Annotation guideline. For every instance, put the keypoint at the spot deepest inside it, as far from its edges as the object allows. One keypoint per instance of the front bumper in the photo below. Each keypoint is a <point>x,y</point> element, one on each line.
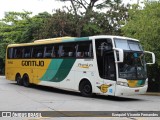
<point>123,90</point>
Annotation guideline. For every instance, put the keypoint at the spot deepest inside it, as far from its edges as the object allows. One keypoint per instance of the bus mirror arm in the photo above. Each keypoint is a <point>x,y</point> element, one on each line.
<point>120,55</point>
<point>153,57</point>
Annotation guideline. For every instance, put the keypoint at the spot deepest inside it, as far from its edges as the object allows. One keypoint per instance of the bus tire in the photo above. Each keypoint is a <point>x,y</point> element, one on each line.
<point>26,80</point>
<point>85,88</point>
<point>18,79</point>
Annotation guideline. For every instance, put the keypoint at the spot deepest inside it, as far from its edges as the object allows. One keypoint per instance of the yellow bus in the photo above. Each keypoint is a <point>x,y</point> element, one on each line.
<point>102,64</point>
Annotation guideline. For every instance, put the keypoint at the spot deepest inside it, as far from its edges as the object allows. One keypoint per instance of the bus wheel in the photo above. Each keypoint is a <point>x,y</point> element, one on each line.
<point>86,88</point>
<point>18,79</point>
<point>26,80</point>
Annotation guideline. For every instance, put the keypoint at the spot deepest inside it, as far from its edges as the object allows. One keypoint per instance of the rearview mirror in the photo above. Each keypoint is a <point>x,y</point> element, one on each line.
<point>153,57</point>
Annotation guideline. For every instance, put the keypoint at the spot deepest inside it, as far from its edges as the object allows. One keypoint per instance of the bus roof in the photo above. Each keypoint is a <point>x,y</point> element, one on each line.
<point>68,39</point>
<point>58,39</point>
<point>113,36</point>
<point>51,40</point>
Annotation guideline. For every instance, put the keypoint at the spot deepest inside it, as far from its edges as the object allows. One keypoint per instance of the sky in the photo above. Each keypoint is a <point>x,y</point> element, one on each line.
<point>34,6</point>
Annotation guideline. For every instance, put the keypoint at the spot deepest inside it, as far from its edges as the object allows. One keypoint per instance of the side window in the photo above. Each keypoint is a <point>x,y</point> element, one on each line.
<point>105,59</point>
<point>55,50</point>
<point>61,51</point>
<point>103,46</point>
<point>51,51</point>
<point>84,50</point>
<point>71,49</point>
<point>10,53</point>
<point>18,52</point>
<point>48,50</point>
<point>38,52</point>
<point>68,50</point>
<point>27,52</point>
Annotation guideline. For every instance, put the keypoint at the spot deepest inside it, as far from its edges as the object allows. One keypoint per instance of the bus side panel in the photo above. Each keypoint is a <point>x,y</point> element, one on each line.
<point>67,72</point>
<point>13,67</point>
<point>9,73</point>
<point>103,86</point>
<point>47,79</point>
<point>34,68</point>
<point>57,73</point>
<point>84,70</point>
<point>68,82</point>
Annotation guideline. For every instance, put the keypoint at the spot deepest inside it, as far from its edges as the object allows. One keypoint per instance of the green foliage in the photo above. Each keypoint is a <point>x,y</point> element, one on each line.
<point>86,15</point>
<point>59,24</point>
<point>144,24</point>
<point>99,24</point>
<point>3,50</point>
<point>20,27</point>
<point>13,26</point>
<point>33,30</point>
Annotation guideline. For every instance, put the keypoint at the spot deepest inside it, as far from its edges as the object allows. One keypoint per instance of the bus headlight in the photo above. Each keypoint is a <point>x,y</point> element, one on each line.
<point>122,83</point>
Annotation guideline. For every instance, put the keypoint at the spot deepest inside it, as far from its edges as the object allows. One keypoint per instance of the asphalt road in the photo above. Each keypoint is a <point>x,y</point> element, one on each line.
<point>41,98</point>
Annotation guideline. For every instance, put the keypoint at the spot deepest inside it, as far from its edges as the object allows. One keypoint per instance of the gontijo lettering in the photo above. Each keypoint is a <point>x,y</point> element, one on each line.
<point>33,63</point>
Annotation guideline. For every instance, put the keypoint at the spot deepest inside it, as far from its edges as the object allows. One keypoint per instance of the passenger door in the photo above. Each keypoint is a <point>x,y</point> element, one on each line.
<point>106,79</point>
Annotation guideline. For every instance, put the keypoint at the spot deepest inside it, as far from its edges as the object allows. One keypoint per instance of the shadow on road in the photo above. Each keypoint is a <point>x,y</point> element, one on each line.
<point>56,90</point>
<point>117,98</point>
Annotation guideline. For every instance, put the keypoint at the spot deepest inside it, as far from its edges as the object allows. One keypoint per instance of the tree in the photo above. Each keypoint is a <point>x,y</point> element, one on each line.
<point>11,29</point>
<point>19,27</point>
<point>34,29</point>
<point>117,15</point>
<point>76,5</point>
<point>88,12</point>
<point>144,24</point>
<point>13,25</point>
<point>59,24</point>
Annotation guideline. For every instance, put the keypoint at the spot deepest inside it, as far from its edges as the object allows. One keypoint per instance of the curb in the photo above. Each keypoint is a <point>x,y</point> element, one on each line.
<point>153,93</point>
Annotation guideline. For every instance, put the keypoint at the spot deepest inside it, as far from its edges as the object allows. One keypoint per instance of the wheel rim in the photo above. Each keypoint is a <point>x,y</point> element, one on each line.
<point>25,81</point>
<point>87,89</point>
<point>18,79</point>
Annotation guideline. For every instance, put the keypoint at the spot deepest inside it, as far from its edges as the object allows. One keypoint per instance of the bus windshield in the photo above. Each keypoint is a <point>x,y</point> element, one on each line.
<point>133,67</point>
<point>128,44</point>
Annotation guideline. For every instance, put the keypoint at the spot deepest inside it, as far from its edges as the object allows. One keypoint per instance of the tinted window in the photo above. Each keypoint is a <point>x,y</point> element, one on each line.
<point>128,44</point>
<point>18,52</point>
<point>10,53</point>
<point>67,50</point>
<point>103,46</point>
<point>38,52</point>
<point>48,50</point>
<point>84,50</point>
<point>105,59</point>
<point>27,52</point>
